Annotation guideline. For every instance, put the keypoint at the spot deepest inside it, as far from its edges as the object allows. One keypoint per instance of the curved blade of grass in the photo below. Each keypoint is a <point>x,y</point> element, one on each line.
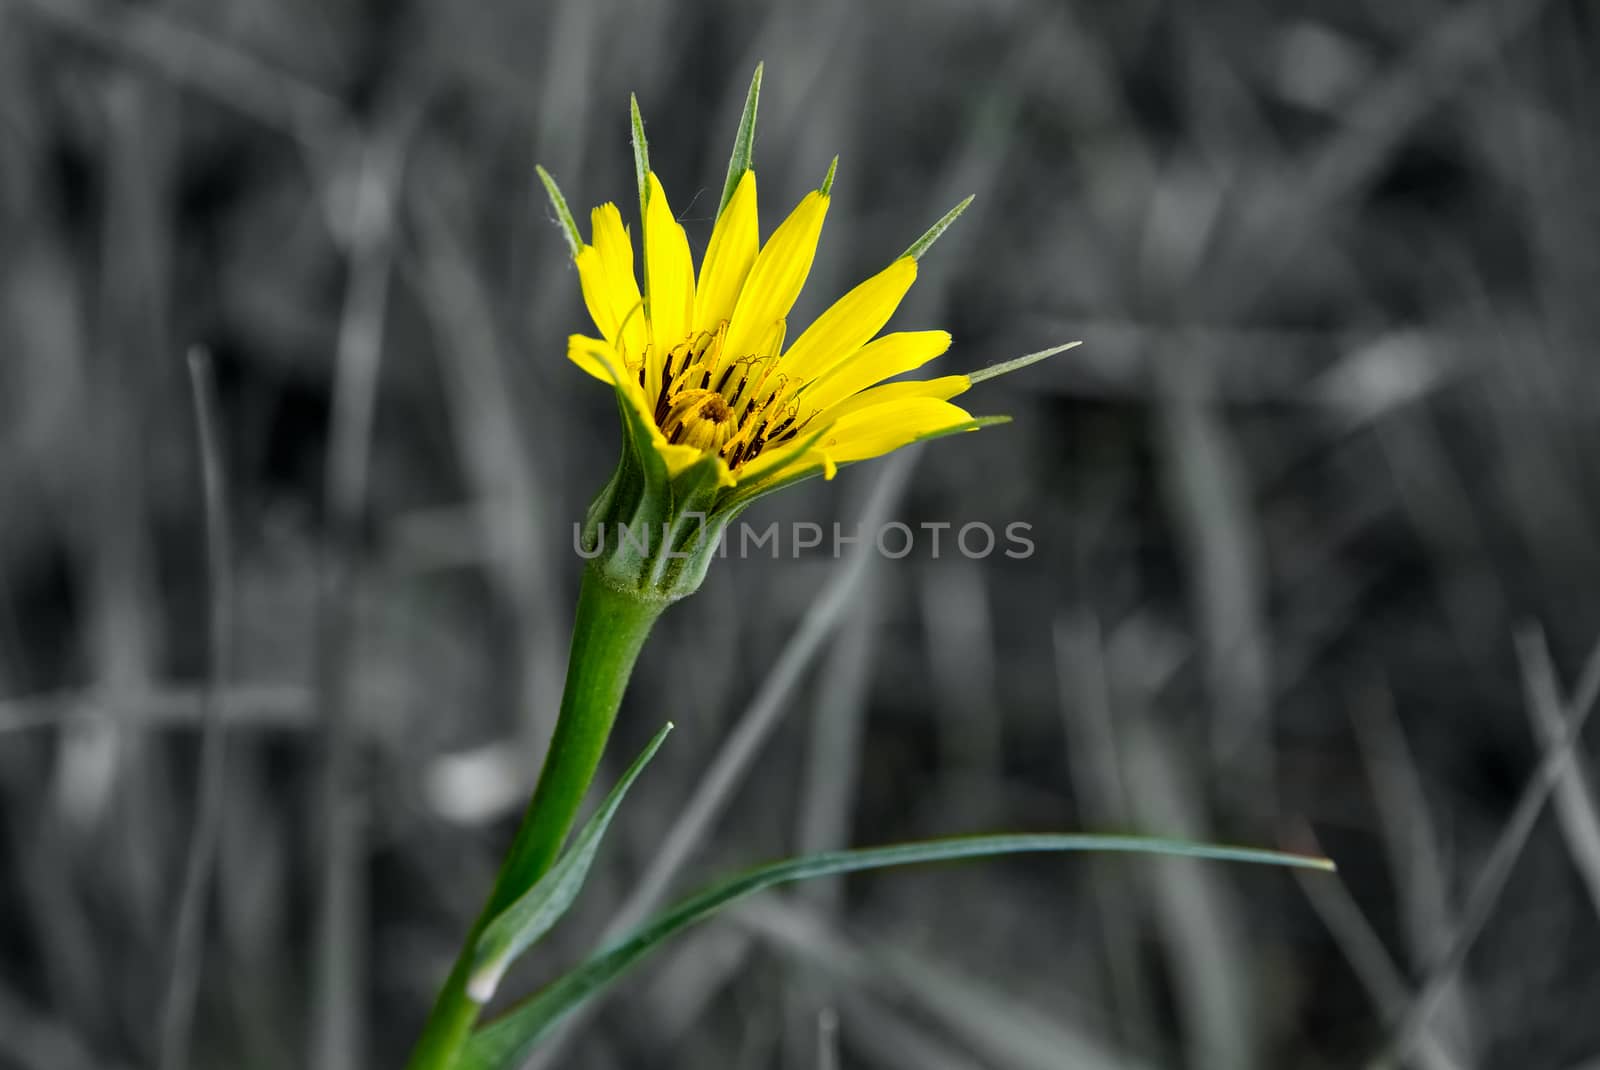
<point>537,910</point>
<point>744,141</point>
<point>504,1044</point>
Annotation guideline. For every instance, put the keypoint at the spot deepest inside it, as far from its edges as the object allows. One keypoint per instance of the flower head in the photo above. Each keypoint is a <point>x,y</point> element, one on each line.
<point>708,361</point>
<point>719,403</point>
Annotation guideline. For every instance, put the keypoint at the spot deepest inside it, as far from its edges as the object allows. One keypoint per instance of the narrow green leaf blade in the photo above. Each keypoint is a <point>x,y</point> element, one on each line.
<point>931,235</point>
<point>569,226</point>
<point>533,914</point>
<point>504,1044</point>
<point>744,140</point>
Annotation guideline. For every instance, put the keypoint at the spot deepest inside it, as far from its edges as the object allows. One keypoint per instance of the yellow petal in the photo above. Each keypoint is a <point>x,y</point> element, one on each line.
<point>595,356</point>
<point>777,275</point>
<point>771,344</point>
<point>900,414</point>
<point>942,389</point>
<point>766,372</point>
<point>610,289</point>
<point>732,250</point>
<point>669,271</point>
<point>873,363</point>
<point>596,292</point>
<point>601,360</point>
<point>851,322</point>
<point>878,429</point>
<point>678,457</point>
<point>790,455</point>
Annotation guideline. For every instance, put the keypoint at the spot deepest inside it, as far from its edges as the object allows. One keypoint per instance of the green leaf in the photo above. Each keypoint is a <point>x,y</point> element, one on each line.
<point>569,226</point>
<point>924,243</point>
<point>506,1043</point>
<point>526,920</point>
<point>744,141</point>
<point>1006,367</point>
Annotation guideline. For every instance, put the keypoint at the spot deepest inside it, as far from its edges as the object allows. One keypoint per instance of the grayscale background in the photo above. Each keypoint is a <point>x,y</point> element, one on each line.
<point>1317,542</point>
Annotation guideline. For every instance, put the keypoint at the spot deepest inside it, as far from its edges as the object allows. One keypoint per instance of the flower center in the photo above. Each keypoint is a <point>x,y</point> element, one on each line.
<point>733,406</point>
<point>699,418</point>
<point>715,409</point>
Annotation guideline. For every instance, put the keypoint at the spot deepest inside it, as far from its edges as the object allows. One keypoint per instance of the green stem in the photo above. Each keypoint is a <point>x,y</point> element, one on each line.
<point>610,627</point>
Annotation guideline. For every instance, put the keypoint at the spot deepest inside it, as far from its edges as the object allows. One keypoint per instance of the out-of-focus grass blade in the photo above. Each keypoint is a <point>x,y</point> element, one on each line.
<point>1575,803</point>
<point>505,1043</point>
<point>1007,1030</point>
<point>533,914</point>
<point>744,141</point>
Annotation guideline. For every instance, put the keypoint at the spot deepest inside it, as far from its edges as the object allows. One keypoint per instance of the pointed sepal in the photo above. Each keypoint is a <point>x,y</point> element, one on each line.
<point>744,140</point>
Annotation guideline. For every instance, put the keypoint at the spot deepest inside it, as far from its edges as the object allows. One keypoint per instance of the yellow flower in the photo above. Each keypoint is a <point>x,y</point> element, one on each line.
<point>716,409</point>
<point>703,357</point>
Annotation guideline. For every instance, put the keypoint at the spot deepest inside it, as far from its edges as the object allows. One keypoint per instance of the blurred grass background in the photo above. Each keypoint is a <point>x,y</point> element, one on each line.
<point>1314,507</point>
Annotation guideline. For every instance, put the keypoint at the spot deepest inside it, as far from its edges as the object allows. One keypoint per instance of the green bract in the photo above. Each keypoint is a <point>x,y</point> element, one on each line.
<point>648,532</point>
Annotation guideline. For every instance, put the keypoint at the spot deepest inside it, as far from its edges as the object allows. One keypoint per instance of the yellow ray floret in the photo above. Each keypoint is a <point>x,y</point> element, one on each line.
<point>702,358</point>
